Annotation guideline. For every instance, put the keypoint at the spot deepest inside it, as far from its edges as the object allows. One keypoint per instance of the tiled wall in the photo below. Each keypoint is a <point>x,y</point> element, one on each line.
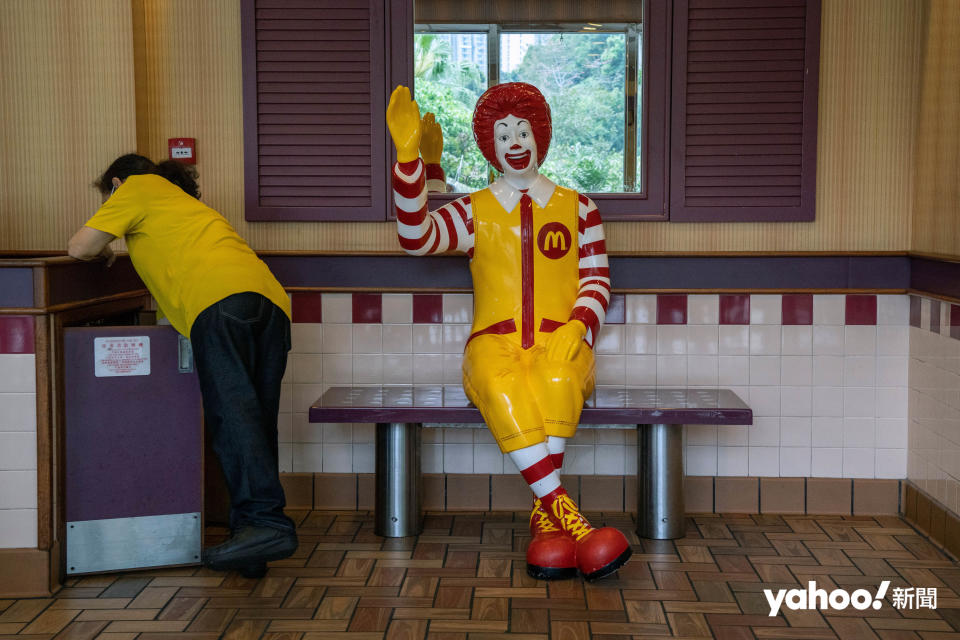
<point>934,460</point>
<point>826,376</point>
<point>18,433</point>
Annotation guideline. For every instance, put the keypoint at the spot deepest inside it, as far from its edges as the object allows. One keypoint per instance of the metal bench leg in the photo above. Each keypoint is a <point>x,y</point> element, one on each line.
<point>398,480</point>
<point>660,512</point>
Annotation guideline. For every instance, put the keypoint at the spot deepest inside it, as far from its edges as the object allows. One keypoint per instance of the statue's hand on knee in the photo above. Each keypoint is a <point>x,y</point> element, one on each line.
<point>565,342</point>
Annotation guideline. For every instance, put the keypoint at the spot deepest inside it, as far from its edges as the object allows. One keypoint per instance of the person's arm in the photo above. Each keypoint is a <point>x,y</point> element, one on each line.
<point>88,243</point>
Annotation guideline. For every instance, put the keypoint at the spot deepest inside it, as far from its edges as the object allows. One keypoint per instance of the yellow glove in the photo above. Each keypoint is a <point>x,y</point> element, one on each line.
<point>431,143</point>
<point>565,342</point>
<point>403,120</point>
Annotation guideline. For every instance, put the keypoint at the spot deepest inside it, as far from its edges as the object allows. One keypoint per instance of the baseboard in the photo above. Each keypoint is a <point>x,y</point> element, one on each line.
<point>931,518</point>
<point>25,573</point>
<point>703,494</point>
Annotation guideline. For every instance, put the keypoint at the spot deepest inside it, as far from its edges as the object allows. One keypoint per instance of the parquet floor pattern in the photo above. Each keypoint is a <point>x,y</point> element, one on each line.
<point>464,578</point>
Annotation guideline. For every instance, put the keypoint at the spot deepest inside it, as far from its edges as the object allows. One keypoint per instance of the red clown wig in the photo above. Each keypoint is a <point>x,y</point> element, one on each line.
<point>518,99</point>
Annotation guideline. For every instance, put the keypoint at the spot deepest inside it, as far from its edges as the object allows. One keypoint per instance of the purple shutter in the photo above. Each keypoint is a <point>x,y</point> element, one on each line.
<point>744,130</point>
<point>315,79</point>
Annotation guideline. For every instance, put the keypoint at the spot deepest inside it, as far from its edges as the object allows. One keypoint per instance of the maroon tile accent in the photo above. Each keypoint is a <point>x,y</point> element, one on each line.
<point>861,309</point>
<point>367,308</point>
<point>306,307</point>
<point>797,308</point>
<point>16,334</point>
<point>915,311</point>
<point>617,310</point>
<point>672,308</point>
<point>734,309</point>
<point>955,321</point>
<point>428,308</point>
<point>935,316</point>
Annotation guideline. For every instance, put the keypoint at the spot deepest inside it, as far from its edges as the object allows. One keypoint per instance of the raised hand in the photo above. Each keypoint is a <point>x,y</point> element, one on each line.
<point>431,142</point>
<point>403,120</point>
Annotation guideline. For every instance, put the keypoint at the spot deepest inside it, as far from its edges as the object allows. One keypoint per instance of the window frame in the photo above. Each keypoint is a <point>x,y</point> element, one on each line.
<point>650,203</point>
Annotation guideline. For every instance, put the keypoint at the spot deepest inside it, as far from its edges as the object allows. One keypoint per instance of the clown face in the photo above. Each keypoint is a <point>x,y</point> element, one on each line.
<point>515,145</point>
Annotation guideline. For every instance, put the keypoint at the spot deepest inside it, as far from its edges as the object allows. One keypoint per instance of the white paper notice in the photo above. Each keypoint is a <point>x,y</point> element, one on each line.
<point>127,356</point>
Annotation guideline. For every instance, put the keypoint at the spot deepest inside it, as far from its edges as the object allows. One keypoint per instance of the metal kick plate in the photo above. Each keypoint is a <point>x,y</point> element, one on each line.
<point>133,543</point>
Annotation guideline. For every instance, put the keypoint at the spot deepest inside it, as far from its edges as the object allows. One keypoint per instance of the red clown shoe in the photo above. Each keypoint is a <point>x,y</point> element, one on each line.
<point>551,554</point>
<point>600,552</point>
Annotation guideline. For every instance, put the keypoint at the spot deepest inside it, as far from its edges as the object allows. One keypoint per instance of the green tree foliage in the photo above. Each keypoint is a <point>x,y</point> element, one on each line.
<point>582,77</point>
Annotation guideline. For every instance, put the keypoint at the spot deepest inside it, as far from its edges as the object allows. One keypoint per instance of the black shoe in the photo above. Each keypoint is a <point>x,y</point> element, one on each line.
<point>254,570</point>
<point>250,546</point>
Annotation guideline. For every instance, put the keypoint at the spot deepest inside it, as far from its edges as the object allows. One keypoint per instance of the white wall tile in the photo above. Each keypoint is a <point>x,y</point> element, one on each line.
<point>458,308</point>
<point>733,370</point>
<point>828,371</point>
<point>859,432</point>
<point>335,433</point>
<point>18,412</point>
<point>795,401</point>
<point>431,458</point>
<point>453,368</point>
<point>701,434</point>
<point>827,432</point>
<point>892,402</point>
<point>307,457</point>
<point>765,401</point>
<point>640,339</point>
<point>891,434</point>
<point>734,340</point>
<point>365,433</point>
<point>367,338</point>
<point>829,309</point>
<point>892,371</point>
<point>734,435</point>
<point>893,310</point>
<point>828,340</point>
<point>764,370</point>
<point>859,371</point>
<point>364,456</point>
<point>338,458</point>
<point>286,398</point>
<point>703,340</point>
<point>18,528</point>
<point>306,337</point>
<point>336,308</point>
<point>427,368</point>
<point>765,461</point>
<point>304,395</point>
<point>671,371</point>
<point>796,370</point>
<point>609,460</point>
<point>671,339</point>
<point>457,435</point>
<point>487,459</point>
<point>368,368</point>
<point>641,371</point>
<point>703,309</point>
<point>700,460</point>
<point>285,427</point>
<point>765,340</point>
<point>795,462</point>
<point>858,463</point>
<point>860,340</point>
<point>892,463</point>
<point>641,309</point>
<point>18,373</point>
<point>825,462</point>
<point>398,369</point>
<point>579,460</point>
<point>18,451</point>
<point>765,309</point>
<point>797,340</point>
<point>613,436</point>
<point>18,490</point>
<point>285,457</point>
<point>337,338</point>
<point>455,337</point>
<point>306,367</point>
<point>732,461</point>
<point>397,308</point>
<point>397,338</point>
<point>611,339</point>
<point>765,432</point>
<point>702,371</point>
<point>427,338</point>
<point>860,402</point>
<point>458,458</point>
<point>611,369</point>
<point>796,432</point>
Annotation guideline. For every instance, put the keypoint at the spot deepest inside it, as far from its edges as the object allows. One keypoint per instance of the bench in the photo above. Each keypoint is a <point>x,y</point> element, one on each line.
<point>659,413</point>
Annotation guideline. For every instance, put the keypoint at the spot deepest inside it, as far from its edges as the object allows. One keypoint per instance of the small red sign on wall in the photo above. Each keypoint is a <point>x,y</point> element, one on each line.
<point>183,149</point>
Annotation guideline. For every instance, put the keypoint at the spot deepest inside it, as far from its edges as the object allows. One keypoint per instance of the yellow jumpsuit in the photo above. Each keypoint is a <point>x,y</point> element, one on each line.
<point>526,280</point>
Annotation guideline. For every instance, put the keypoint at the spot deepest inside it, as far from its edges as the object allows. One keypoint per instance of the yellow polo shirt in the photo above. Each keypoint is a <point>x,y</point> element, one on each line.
<point>186,253</point>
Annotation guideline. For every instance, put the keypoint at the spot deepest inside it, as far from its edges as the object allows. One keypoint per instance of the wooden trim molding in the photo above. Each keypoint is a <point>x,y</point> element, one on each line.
<point>24,573</point>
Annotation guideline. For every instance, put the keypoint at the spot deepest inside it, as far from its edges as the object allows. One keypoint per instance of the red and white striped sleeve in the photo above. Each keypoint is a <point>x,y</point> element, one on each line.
<point>421,232</point>
<point>594,295</point>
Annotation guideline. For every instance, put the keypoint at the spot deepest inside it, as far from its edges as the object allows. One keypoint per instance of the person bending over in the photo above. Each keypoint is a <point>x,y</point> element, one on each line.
<point>216,291</point>
<point>541,289</point>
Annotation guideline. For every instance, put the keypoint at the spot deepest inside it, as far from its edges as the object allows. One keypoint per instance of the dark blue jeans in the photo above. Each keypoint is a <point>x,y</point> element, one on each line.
<point>240,346</point>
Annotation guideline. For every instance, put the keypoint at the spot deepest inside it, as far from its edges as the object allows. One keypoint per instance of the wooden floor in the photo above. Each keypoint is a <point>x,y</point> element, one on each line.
<point>464,577</point>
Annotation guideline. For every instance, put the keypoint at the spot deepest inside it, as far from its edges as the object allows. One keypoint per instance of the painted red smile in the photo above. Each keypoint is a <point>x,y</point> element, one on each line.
<point>518,160</point>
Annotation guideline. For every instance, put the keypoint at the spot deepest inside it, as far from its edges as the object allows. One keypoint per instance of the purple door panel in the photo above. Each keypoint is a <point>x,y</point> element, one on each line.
<point>133,443</point>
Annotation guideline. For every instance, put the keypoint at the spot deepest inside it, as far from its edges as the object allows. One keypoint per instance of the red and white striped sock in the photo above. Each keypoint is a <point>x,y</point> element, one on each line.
<point>537,468</point>
<point>556,445</point>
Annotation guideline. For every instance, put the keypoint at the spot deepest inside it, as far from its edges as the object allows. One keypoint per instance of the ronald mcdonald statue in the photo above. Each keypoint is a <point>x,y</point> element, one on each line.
<point>541,289</point>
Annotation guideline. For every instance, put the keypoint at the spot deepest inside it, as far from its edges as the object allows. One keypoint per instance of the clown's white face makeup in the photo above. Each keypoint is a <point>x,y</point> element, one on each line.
<point>516,148</point>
